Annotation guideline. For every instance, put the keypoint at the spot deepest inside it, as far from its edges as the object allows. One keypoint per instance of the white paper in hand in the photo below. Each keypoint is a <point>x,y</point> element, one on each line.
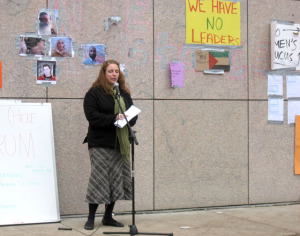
<point>130,113</point>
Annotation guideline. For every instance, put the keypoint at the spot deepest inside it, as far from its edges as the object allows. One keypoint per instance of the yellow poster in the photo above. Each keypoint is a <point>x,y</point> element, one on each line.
<point>215,22</point>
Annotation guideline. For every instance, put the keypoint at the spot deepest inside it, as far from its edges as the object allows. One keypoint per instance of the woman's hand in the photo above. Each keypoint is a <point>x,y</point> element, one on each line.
<point>120,117</point>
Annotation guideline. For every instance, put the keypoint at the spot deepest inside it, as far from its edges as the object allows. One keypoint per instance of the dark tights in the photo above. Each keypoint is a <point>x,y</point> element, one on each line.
<point>92,212</point>
<point>108,211</point>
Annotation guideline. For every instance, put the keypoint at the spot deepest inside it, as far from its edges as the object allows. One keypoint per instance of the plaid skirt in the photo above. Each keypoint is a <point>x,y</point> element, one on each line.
<point>110,178</point>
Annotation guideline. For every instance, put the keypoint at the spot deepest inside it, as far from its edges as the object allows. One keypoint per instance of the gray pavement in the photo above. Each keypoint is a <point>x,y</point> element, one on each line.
<point>277,220</point>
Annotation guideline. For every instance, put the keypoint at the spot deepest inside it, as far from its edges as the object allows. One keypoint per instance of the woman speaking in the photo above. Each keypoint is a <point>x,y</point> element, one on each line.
<point>109,146</point>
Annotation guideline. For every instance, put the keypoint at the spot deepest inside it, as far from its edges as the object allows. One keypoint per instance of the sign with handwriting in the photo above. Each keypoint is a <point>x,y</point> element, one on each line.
<point>28,184</point>
<point>285,45</point>
<point>176,74</point>
<point>214,22</point>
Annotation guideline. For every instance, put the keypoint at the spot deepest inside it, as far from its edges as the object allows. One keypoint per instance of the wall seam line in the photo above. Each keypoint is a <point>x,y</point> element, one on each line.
<point>153,106</point>
<point>248,103</point>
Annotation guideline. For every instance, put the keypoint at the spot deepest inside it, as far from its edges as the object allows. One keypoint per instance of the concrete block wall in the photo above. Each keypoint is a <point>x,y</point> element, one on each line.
<point>207,144</point>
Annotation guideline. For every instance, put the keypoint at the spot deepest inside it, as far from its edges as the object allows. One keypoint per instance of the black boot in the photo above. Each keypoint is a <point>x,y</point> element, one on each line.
<point>89,225</point>
<point>108,219</point>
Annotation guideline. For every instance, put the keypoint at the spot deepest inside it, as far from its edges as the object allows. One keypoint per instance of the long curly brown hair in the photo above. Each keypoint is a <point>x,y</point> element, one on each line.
<point>102,82</point>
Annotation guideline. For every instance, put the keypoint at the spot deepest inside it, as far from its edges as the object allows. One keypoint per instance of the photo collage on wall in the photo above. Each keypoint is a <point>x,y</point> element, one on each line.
<point>47,46</point>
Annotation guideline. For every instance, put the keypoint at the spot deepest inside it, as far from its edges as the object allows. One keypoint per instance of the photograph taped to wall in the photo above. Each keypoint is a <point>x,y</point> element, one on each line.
<point>61,47</point>
<point>93,54</point>
<point>48,22</point>
<point>31,46</point>
<point>46,71</point>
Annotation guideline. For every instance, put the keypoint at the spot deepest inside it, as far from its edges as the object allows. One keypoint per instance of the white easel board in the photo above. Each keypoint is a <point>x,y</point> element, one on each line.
<point>28,183</point>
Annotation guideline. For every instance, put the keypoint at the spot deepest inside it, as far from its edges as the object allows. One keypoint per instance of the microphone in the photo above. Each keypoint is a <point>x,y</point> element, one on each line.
<point>116,86</point>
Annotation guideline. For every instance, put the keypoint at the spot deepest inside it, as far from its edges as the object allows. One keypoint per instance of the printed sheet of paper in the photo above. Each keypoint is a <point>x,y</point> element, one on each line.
<point>130,113</point>
<point>177,74</point>
<point>275,85</point>
<point>293,110</point>
<point>275,109</point>
<point>293,86</point>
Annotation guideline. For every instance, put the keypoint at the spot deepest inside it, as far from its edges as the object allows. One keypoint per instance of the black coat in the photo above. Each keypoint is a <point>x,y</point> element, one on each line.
<point>99,111</point>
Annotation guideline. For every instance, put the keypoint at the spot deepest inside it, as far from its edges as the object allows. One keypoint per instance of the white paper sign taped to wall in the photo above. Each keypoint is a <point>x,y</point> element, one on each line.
<point>285,45</point>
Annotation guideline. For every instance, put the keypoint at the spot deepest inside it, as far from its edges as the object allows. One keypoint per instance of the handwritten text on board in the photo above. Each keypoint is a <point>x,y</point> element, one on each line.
<point>13,142</point>
<point>213,22</point>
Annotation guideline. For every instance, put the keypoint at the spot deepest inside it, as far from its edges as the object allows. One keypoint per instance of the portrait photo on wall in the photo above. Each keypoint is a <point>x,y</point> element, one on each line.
<point>61,47</point>
<point>48,22</point>
<point>93,54</point>
<point>46,71</point>
<point>31,46</point>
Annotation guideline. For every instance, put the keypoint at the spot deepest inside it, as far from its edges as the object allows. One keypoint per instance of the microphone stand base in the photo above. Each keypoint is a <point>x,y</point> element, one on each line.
<point>133,231</point>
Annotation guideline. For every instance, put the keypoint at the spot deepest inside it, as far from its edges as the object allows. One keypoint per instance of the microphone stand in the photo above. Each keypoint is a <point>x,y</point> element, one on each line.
<point>132,138</point>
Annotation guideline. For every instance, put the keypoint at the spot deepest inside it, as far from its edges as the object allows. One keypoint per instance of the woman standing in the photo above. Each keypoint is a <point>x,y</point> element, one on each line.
<point>109,147</point>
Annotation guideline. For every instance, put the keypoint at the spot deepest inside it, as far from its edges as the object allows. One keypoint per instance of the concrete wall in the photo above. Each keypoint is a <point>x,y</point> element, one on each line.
<point>207,144</point>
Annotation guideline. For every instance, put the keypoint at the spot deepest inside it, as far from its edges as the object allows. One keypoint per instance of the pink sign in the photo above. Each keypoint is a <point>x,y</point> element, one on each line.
<point>177,74</point>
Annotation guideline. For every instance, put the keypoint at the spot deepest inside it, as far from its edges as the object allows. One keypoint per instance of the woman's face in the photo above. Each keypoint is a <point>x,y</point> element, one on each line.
<point>112,73</point>
<point>60,45</point>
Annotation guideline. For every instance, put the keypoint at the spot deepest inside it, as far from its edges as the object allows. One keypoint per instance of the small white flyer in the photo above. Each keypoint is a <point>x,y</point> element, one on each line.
<point>275,85</point>
<point>293,86</point>
<point>275,109</point>
<point>293,110</point>
<point>130,113</point>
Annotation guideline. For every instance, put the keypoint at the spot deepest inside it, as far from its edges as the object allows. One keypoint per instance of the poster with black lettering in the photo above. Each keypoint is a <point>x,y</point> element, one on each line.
<point>285,45</point>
